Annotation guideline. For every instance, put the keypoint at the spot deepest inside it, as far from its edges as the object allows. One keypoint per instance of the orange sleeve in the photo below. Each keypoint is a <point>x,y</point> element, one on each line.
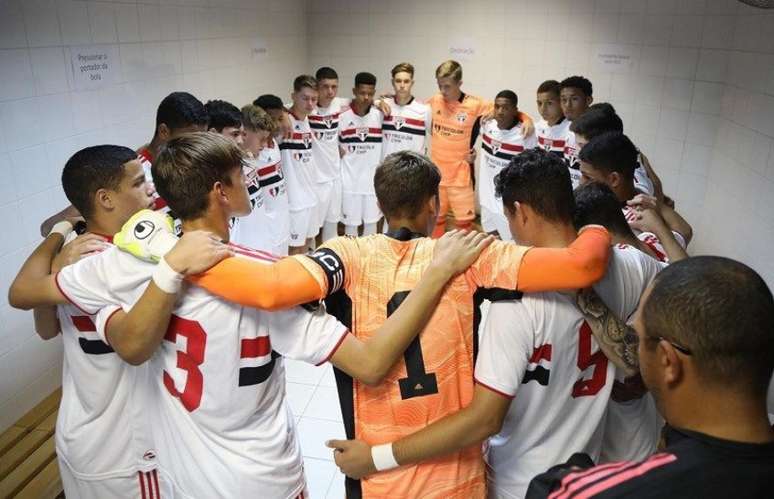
<point>579,265</point>
<point>279,285</point>
<point>486,108</point>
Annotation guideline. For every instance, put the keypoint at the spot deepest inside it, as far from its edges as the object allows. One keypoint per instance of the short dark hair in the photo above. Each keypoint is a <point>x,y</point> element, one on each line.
<point>223,114</point>
<point>403,182</point>
<point>596,203</point>
<point>604,106</point>
<point>92,169</point>
<point>723,311</point>
<point>549,86</point>
<point>269,102</point>
<point>326,73</point>
<point>611,152</point>
<point>508,94</point>
<point>579,82</point>
<point>180,110</point>
<point>365,78</point>
<point>304,81</point>
<point>596,121</point>
<point>187,167</point>
<point>540,180</point>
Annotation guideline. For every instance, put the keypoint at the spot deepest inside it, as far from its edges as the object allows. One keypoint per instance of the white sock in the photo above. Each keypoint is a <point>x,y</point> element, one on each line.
<point>329,231</point>
<point>350,230</point>
<point>369,229</point>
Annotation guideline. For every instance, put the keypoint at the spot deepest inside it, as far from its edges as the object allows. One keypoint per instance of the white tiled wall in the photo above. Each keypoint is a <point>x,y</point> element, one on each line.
<point>200,46</point>
<point>699,100</point>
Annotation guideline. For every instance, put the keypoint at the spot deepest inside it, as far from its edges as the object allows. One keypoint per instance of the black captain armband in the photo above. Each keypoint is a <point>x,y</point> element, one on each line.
<point>333,267</point>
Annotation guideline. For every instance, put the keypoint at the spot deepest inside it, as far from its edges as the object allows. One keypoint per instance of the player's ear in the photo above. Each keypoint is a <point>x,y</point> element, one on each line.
<point>589,100</point>
<point>614,178</point>
<point>671,364</point>
<point>163,132</point>
<point>103,198</point>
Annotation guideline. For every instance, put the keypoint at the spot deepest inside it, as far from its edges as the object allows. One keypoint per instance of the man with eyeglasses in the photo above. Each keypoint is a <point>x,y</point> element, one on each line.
<point>706,352</point>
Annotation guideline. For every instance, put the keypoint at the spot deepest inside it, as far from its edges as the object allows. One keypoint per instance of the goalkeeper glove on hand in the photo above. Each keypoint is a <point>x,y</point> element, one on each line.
<point>148,235</point>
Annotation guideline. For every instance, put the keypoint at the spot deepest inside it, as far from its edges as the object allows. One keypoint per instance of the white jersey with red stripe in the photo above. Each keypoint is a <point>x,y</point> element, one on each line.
<point>324,122</point>
<point>541,351</point>
<point>407,127</point>
<point>253,230</point>
<point>498,147</point>
<point>219,415</point>
<point>654,243</point>
<point>299,164</point>
<point>571,151</point>
<point>552,138</point>
<point>100,398</point>
<point>275,197</point>
<point>361,138</point>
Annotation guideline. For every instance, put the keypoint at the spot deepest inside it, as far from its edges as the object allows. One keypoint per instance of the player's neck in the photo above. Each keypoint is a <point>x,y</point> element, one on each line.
<point>509,125</point>
<point>627,192</point>
<point>414,225</point>
<point>360,109</point>
<point>554,235</point>
<point>737,418</point>
<point>154,146</point>
<point>402,100</point>
<point>298,113</point>
<point>454,97</point>
<point>323,104</point>
<point>556,121</point>
<point>102,225</point>
<point>210,222</point>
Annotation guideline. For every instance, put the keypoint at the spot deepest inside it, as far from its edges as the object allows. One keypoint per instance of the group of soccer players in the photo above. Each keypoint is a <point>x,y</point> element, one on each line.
<point>466,364</point>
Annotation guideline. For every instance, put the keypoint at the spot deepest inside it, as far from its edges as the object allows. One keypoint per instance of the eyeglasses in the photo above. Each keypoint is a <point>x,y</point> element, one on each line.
<point>678,347</point>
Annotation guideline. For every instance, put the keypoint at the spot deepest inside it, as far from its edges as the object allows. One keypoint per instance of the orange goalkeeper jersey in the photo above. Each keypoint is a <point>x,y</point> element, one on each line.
<point>453,125</point>
<point>435,378</point>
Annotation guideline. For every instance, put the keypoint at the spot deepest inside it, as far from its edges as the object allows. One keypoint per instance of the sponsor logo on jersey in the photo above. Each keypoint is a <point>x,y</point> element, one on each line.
<point>318,135</point>
<point>149,455</point>
<point>297,156</point>
<point>351,149</point>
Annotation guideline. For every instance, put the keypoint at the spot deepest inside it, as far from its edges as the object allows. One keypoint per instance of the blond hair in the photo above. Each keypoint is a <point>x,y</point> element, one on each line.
<point>254,118</point>
<point>403,67</point>
<point>449,69</point>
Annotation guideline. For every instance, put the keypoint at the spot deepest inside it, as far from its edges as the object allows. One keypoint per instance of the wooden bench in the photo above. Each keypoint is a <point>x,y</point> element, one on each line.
<point>28,464</point>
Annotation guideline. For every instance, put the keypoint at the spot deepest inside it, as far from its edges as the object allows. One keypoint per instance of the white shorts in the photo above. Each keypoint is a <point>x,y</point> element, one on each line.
<point>329,202</point>
<point>141,484</point>
<point>360,208</point>
<point>302,227</point>
<point>495,222</point>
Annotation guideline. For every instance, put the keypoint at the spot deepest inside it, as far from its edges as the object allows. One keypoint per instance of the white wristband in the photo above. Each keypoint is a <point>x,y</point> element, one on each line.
<point>383,457</point>
<point>166,278</point>
<point>64,228</point>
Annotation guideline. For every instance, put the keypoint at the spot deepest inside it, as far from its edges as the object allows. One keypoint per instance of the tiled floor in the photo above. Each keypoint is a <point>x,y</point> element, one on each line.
<point>315,403</point>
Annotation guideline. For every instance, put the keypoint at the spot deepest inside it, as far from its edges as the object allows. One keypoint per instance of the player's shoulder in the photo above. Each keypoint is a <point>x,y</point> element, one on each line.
<point>256,255</point>
<point>631,262</point>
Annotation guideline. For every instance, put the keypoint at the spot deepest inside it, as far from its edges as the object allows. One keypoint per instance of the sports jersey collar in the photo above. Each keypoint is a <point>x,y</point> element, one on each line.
<point>395,100</point>
<point>675,436</point>
<point>109,238</point>
<point>404,234</point>
<point>145,154</point>
<point>462,97</point>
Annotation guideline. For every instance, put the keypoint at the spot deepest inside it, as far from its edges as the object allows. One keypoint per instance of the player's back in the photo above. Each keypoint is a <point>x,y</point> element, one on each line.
<point>98,395</point>
<point>562,383</point>
<point>434,379</point>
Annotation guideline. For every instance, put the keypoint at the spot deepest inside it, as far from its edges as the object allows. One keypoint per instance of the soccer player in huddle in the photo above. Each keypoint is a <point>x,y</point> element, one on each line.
<point>541,383</point>
<point>215,401</point>
<point>408,126</point>
<point>576,97</point>
<point>226,119</point>
<point>360,139</point>
<point>366,279</point>
<point>553,127</point>
<point>502,139</point>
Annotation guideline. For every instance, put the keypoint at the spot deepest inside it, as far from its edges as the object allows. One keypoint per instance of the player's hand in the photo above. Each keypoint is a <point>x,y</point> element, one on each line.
<point>471,156</point>
<point>643,202</point>
<point>456,250</point>
<point>648,220</point>
<point>527,125</point>
<point>353,457</point>
<point>148,235</point>
<point>382,106</point>
<point>286,126</point>
<point>77,249</point>
<point>196,252</point>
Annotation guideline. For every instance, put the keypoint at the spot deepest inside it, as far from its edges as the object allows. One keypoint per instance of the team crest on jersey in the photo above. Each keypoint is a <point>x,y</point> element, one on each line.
<point>362,133</point>
<point>496,146</point>
<point>307,138</point>
<point>399,122</point>
<point>547,144</point>
<point>328,121</point>
<point>462,117</point>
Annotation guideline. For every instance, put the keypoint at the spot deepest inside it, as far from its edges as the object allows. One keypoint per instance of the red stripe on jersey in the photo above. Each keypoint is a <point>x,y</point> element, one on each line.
<point>541,352</point>
<point>259,254</point>
<point>611,481</point>
<point>558,143</point>
<point>267,170</point>
<point>59,287</point>
<point>335,348</point>
<point>353,131</point>
<point>503,145</point>
<point>408,121</point>
<point>83,323</point>
<point>255,347</point>
<point>494,390</point>
<point>142,485</point>
<point>317,117</point>
<point>159,204</point>
<point>156,484</point>
<point>653,243</point>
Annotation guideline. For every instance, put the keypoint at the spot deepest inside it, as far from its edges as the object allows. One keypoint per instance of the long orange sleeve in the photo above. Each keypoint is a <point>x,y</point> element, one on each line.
<point>579,265</point>
<point>276,286</point>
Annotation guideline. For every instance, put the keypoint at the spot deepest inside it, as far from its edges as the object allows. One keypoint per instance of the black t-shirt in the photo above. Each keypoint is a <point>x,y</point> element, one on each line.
<point>692,465</point>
